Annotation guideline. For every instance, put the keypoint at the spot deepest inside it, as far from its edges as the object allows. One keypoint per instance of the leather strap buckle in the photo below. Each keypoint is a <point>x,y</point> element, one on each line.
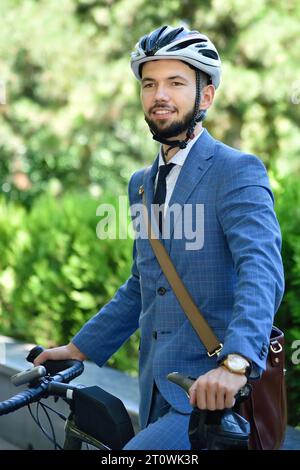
<point>216,351</point>
<point>275,347</point>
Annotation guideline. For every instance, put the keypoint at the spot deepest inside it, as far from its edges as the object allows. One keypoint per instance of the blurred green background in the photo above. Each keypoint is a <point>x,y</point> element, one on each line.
<point>72,132</point>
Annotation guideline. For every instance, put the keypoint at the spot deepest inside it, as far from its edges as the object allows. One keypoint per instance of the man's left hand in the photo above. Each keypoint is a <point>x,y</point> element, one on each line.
<point>216,389</point>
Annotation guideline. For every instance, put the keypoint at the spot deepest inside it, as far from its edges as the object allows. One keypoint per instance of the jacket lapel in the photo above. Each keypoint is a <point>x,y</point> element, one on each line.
<point>195,166</point>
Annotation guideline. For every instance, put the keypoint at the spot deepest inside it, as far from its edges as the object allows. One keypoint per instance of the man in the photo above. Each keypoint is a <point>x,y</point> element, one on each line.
<point>235,276</point>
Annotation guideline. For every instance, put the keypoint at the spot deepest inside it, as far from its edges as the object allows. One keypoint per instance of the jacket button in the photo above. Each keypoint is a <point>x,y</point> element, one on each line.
<point>161,291</point>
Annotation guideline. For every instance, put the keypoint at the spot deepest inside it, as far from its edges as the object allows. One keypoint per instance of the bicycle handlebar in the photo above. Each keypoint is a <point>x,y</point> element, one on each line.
<point>70,373</point>
<point>53,366</point>
<point>64,371</point>
<point>186,383</point>
<point>23,399</point>
<point>59,370</point>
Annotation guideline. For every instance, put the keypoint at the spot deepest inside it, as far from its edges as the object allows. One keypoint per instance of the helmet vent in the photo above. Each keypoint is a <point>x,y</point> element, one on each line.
<point>184,44</point>
<point>159,39</point>
<point>209,53</point>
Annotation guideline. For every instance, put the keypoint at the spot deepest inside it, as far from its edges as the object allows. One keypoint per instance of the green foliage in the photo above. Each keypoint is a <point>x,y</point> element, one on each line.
<point>13,240</point>
<point>56,273</point>
<point>73,116</point>
<point>288,317</point>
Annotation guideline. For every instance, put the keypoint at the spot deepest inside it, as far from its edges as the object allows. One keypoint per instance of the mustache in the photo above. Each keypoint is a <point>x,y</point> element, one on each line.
<point>161,106</point>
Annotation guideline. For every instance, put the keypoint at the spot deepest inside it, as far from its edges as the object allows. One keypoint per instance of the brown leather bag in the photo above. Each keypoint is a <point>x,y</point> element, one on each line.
<point>266,409</point>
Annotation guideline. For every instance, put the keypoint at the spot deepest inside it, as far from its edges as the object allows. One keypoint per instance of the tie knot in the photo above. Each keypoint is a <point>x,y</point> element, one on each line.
<point>164,170</point>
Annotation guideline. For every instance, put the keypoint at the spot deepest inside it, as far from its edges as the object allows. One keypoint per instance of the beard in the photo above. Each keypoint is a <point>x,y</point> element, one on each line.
<point>174,129</point>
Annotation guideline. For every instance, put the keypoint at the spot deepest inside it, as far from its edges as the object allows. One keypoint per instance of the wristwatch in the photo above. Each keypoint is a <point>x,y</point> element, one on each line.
<point>237,364</point>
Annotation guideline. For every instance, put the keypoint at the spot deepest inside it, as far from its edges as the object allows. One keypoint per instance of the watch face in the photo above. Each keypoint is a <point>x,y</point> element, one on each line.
<point>237,362</point>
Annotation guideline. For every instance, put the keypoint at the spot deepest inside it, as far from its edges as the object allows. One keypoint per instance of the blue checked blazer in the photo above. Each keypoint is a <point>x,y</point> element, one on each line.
<point>236,277</point>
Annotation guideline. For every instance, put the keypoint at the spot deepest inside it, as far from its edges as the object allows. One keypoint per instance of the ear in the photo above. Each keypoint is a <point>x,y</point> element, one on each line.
<point>207,96</point>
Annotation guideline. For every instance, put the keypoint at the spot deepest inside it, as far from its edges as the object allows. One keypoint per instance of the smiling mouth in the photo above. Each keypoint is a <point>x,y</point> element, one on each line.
<point>162,113</point>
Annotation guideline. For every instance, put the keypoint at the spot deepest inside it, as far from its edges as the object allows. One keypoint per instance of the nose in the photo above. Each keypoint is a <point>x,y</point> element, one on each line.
<point>161,93</point>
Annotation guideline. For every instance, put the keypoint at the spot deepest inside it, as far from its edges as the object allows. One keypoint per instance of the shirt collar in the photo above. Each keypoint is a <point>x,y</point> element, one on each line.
<point>180,156</point>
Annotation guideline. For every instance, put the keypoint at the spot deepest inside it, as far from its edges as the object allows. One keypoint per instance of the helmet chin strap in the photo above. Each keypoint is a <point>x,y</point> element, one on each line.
<point>199,115</point>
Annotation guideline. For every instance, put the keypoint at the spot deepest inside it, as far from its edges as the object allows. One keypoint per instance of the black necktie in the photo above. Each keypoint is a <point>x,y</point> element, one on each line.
<point>161,191</point>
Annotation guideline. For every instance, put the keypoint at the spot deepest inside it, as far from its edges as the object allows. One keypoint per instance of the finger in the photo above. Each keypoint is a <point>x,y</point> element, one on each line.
<point>201,398</point>
<point>229,400</point>
<point>211,399</point>
<point>220,399</point>
<point>50,355</point>
<point>41,358</point>
<point>193,397</point>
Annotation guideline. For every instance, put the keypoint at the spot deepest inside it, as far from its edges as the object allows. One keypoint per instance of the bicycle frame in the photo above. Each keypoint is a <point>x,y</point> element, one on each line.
<point>75,437</point>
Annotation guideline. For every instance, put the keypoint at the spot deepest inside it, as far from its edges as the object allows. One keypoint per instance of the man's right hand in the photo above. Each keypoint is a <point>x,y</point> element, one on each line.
<point>69,351</point>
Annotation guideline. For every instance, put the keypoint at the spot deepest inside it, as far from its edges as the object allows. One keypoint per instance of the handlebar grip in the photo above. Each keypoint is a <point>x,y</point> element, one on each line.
<point>56,366</point>
<point>186,382</point>
<point>34,353</point>
<point>69,374</point>
<point>181,380</point>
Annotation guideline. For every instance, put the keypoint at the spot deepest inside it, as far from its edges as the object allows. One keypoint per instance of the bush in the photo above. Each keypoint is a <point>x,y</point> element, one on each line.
<point>56,273</point>
<point>288,317</point>
<point>13,239</point>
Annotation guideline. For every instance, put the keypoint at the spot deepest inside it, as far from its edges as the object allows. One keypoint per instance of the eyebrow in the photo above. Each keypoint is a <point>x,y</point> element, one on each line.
<point>174,77</point>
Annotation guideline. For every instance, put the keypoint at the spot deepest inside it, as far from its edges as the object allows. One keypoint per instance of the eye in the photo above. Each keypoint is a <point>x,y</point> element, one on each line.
<point>148,85</point>
<point>177,83</point>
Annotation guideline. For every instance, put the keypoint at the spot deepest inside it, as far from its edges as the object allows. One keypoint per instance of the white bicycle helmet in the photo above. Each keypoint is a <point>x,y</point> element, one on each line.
<point>191,47</point>
<point>181,44</point>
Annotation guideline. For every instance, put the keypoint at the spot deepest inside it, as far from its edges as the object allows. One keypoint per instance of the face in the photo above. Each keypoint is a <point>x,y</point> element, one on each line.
<point>168,93</point>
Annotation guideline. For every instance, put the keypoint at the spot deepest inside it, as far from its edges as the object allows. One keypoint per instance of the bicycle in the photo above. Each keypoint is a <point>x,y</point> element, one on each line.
<point>100,419</point>
<point>96,417</point>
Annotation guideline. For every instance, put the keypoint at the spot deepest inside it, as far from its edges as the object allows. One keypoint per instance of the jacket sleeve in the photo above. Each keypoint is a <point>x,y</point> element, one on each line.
<point>101,336</point>
<point>246,213</point>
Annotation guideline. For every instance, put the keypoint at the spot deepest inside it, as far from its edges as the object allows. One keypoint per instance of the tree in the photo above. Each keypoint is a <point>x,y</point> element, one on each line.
<point>73,116</point>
